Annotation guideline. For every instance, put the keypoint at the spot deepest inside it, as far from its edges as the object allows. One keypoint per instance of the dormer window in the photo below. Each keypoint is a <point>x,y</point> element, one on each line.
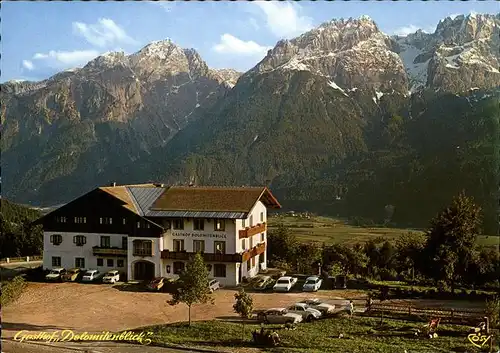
<point>60,219</point>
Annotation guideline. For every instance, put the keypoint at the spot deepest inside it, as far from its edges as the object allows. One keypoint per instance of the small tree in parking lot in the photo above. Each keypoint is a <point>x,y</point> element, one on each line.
<point>193,285</point>
<point>243,306</point>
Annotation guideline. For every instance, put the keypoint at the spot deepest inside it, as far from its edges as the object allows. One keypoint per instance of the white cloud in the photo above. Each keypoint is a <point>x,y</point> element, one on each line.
<point>253,22</point>
<point>284,18</point>
<point>405,30</point>
<point>28,64</point>
<point>104,33</point>
<point>231,45</point>
<point>66,59</point>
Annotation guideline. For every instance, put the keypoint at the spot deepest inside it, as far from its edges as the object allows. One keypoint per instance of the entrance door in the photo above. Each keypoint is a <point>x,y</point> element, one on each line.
<point>144,270</point>
<point>240,272</point>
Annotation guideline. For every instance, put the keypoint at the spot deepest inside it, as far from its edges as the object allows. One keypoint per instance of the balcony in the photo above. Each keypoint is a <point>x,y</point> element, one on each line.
<point>207,257</point>
<point>249,231</point>
<point>255,251</point>
<point>105,251</point>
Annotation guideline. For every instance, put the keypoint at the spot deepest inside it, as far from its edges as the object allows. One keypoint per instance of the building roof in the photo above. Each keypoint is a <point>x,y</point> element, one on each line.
<point>150,200</point>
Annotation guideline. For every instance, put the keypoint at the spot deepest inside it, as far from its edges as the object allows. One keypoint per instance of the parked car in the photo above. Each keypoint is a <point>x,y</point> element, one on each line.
<point>213,284</point>
<point>308,313</point>
<point>312,284</point>
<point>263,283</point>
<point>156,284</point>
<point>315,303</point>
<point>111,277</point>
<point>92,276</point>
<point>55,274</point>
<point>71,275</point>
<point>284,284</point>
<point>279,316</point>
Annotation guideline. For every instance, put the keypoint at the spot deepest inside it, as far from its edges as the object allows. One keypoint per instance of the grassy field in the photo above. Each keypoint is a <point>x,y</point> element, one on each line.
<point>360,335</point>
<point>332,231</point>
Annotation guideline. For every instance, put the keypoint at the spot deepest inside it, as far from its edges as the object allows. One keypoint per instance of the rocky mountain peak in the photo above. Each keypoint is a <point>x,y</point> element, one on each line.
<point>353,53</point>
<point>106,61</point>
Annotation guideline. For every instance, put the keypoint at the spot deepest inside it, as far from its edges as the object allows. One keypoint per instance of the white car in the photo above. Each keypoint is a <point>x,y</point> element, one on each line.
<point>308,313</point>
<point>315,303</point>
<point>55,274</point>
<point>312,284</point>
<point>91,276</point>
<point>279,316</point>
<point>111,277</point>
<point>284,284</point>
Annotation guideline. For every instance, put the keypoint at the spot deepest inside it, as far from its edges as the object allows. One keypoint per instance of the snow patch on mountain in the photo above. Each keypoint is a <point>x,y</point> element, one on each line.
<point>335,86</point>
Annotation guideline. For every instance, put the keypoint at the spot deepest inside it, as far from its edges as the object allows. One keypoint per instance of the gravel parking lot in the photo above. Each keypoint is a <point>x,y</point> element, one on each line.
<point>98,307</point>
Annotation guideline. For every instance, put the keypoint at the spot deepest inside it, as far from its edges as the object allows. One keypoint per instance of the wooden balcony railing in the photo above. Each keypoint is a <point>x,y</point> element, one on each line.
<point>249,231</point>
<point>104,251</point>
<point>207,257</point>
<point>255,251</point>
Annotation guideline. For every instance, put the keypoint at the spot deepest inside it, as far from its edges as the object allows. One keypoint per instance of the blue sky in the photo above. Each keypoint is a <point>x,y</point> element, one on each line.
<point>42,38</point>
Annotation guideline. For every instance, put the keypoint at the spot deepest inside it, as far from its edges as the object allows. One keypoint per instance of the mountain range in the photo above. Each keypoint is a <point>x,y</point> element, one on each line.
<point>343,119</point>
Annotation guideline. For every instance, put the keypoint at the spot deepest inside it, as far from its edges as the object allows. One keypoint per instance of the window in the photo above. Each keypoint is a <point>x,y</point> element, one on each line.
<point>138,224</point>
<point>219,270</point>
<point>262,216</point>
<point>79,240</point>
<point>251,221</point>
<point>80,262</point>
<point>105,241</point>
<point>100,262</point>
<point>244,223</point>
<point>120,263</point>
<point>56,261</point>
<point>179,223</point>
<point>106,220</point>
<point>253,261</point>
<point>220,247</point>
<point>178,244</point>
<point>109,262</point>
<point>56,239</point>
<point>80,219</point>
<point>251,242</point>
<point>219,225</point>
<point>198,245</point>
<point>262,237</point>
<point>124,242</point>
<point>199,224</point>
<point>124,221</point>
<point>248,265</point>
<point>143,248</point>
<point>60,219</point>
<point>178,267</point>
<point>243,244</point>
<point>261,258</point>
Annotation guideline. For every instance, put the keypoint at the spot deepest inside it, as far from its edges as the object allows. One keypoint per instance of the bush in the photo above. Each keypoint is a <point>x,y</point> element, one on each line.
<point>11,290</point>
<point>492,310</point>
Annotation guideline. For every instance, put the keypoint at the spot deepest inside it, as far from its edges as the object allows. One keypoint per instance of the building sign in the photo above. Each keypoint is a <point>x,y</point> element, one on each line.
<point>199,235</point>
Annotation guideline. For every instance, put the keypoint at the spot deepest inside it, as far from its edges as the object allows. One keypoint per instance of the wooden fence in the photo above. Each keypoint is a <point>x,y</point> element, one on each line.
<point>9,260</point>
<point>444,313</point>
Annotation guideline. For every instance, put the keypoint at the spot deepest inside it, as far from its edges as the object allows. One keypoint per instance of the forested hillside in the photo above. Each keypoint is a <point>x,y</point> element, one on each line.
<point>17,236</point>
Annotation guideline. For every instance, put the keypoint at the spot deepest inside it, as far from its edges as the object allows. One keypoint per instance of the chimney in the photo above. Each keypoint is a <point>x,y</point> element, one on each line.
<point>113,183</point>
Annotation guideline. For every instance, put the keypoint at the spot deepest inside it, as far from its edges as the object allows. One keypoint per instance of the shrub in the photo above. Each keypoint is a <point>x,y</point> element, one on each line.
<point>492,310</point>
<point>11,290</point>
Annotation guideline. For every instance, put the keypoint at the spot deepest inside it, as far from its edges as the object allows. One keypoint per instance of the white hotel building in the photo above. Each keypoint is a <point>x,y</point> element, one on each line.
<point>151,230</point>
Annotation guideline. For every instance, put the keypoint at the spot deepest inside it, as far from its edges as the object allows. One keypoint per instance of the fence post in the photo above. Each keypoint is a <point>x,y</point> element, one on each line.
<point>27,259</point>
<point>8,260</point>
